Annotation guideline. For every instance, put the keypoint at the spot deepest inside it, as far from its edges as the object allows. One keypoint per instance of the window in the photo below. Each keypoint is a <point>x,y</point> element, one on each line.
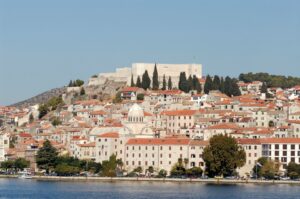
<point>284,146</point>
<point>292,153</point>
<point>292,146</point>
<point>276,146</point>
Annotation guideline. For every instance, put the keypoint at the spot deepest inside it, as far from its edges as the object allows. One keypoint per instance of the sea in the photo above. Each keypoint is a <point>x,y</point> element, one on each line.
<point>37,189</point>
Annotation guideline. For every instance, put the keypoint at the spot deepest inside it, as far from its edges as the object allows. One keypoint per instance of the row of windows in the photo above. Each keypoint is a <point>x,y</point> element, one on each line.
<point>161,155</point>
<point>152,163</point>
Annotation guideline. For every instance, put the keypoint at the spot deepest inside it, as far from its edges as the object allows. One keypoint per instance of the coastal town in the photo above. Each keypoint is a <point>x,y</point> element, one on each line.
<point>158,120</point>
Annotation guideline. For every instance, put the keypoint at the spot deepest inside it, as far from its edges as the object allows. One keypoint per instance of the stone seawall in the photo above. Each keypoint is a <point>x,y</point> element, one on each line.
<point>212,181</point>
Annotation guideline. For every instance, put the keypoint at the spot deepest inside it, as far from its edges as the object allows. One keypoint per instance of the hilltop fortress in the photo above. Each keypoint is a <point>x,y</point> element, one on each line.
<point>137,69</point>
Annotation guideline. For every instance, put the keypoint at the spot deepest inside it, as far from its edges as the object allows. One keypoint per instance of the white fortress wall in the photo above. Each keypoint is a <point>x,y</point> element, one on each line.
<point>138,69</point>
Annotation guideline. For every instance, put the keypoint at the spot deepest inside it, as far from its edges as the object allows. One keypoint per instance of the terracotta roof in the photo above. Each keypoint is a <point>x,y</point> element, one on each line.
<point>27,135</point>
<point>179,112</point>
<point>130,89</point>
<point>224,126</point>
<point>280,140</point>
<point>249,141</point>
<point>92,144</point>
<point>109,135</point>
<point>158,141</point>
<point>100,112</point>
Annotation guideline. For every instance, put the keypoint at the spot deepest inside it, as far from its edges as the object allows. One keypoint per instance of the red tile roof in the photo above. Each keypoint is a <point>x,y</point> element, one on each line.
<point>179,112</point>
<point>109,135</point>
<point>158,141</point>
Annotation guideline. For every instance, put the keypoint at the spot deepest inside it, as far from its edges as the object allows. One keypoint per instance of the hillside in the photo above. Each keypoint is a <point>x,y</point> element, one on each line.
<point>41,98</point>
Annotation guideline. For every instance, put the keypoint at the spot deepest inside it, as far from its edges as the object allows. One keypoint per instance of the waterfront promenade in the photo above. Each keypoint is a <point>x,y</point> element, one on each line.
<point>178,180</point>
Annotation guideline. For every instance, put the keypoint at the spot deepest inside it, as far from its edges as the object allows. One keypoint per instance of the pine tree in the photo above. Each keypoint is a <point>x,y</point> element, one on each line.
<point>164,86</point>
<point>170,86</point>
<point>155,83</point>
<point>208,84</point>
<point>132,82</point>
<point>138,82</point>
<point>146,82</point>
<point>216,83</point>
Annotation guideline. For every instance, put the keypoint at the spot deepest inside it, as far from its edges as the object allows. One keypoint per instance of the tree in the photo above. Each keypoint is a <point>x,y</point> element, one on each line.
<point>208,84</point>
<point>190,83</point>
<point>178,169</point>
<point>293,170</point>
<point>155,83</point>
<point>117,98</point>
<point>183,84</point>
<point>194,172</point>
<point>270,169</point>
<point>257,167</point>
<point>216,83</point>
<point>46,156</point>
<point>150,170</point>
<point>138,82</point>
<point>56,121</point>
<point>235,88</point>
<point>223,156</point>
<point>228,86</point>
<point>264,88</point>
<point>43,110</point>
<point>140,96</point>
<point>146,82</point>
<point>164,86</point>
<point>196,84</point>
<point>170,86</point>
<point>222,85</point>
<point>132,81</point>
<point>138,170</point>
<point>66,170</point>
<point>109,167</point>
<point>21,163</point>
<point>162,173</point>
<point>82,91</point>
<point>31,118</point>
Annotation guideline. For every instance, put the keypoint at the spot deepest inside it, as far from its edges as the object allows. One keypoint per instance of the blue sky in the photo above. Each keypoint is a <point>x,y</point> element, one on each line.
<point>44,44</point>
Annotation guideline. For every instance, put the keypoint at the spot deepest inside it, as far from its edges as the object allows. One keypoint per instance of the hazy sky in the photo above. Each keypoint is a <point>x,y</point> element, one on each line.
<point>44,44</point>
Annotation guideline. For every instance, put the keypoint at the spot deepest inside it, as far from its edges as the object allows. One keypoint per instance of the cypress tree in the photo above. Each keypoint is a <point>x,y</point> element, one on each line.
<point>170,86</point>
<point>196,84</point>
<point>183,83</point>
<point>222,86</point>
<point>146,82</point>
<point>235,88</point>
<point>155,83</point>
<point>264,88</point>
<point>70,83</point>
<point>132,82</point>
<point>190,84</point>
<point>138,82</point>
<point>208,84</point>
<point>164,86</point>
<point>228,86</point>
<point>216,83</point>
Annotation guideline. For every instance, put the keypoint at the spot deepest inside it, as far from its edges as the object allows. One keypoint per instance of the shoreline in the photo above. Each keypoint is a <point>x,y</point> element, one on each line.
<point>177,180</point>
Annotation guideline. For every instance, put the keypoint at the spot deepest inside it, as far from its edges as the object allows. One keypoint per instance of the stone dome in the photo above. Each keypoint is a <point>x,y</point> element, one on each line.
<point>136,111</point>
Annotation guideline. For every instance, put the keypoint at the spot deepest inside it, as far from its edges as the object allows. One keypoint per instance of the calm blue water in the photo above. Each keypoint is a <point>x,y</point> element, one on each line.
<point>17,188</point>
